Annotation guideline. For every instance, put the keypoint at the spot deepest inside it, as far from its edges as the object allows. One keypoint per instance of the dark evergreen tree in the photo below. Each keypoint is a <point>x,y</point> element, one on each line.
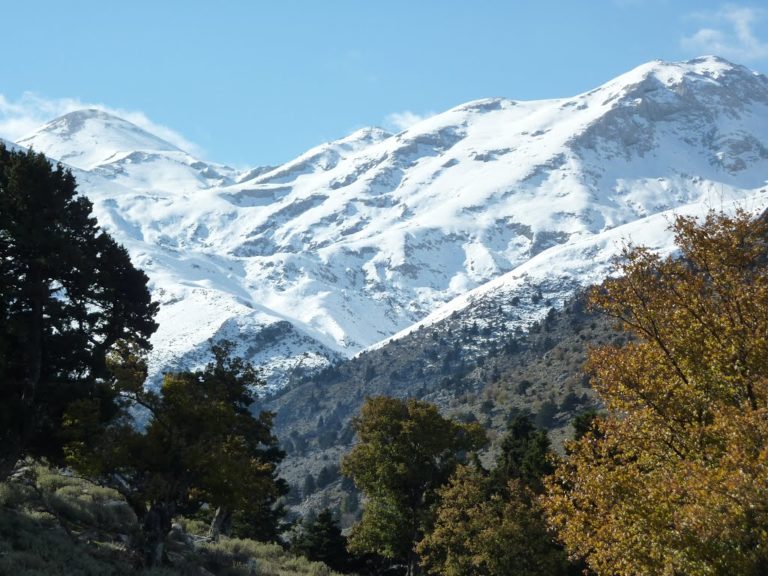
<point>546,415</point>
<point>263,521</point>
<point>309,485</point>
<point>322,541</point>
<point>583,423</point>
<point>524,455</point>
<point>327,475</point>
<point>68,293</point>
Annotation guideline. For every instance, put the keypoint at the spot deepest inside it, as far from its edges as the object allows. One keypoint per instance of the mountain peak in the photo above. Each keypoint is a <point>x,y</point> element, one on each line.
<point>89,137</point>
<point>711,69</point>
<point>323,157</point>
<point>364,236</point>
<point>369,134</point>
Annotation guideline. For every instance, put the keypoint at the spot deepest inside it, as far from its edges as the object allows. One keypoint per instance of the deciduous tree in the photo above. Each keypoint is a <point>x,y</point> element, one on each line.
<point>407,450</point>
<point>672,480</point>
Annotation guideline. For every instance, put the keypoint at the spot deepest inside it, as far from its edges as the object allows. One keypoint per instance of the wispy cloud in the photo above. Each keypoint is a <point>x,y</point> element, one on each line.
<point>728,32</point>
<point>405,119</point>
<point>19,118</point>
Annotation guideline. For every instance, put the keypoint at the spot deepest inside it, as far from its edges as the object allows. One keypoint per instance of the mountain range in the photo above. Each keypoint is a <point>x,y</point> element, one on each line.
<point>494,204</point>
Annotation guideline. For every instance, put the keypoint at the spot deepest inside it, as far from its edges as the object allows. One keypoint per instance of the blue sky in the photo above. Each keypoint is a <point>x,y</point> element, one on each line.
<point>258,82</point>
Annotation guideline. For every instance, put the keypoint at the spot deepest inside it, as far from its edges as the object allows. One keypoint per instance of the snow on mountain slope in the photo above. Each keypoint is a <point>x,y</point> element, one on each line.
<point>360,238</point>
<point>119,150</point>
<point>89,138</point>
<point>550,278</point>
<point>199,300</point>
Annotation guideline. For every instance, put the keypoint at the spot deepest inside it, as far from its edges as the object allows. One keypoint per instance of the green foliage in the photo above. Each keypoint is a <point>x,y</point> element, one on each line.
<point>583,423</point>
<point>491,524</point>
<point>484,531</point>
<point>327,475</point>
<point>546,415</point>
<point>310,486</point>
<point>525,455</point>
<point>322,541</point>
<point>68,293</point>
<point>407,450</point>
<point>201,445</point>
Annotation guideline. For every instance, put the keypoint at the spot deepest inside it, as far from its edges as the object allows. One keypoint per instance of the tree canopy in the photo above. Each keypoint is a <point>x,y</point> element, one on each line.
<point>484,531</point>
<point>68,293</point>
<point>525,455</point>
<point>407,450</point>
<point>491,524</point>
<point>672,480</point>
<point>201,444</point>
<point>322,541</point>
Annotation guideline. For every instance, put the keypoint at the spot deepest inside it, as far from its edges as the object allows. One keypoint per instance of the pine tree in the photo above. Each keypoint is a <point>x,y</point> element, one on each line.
<point>525,455</point>
<point>322,541</point>
<point>68,294</point>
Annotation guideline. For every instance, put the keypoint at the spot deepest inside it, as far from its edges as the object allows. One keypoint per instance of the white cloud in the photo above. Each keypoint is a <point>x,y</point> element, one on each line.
<point>730,32</point>
<point>405,119</point>
<point>21,117</point>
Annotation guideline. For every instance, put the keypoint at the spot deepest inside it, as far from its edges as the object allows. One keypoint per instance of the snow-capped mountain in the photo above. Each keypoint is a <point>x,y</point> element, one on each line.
<point>361,238</point>
<point>118,150</point>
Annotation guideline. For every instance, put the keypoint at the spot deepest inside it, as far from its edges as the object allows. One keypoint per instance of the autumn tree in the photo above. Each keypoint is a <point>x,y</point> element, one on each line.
<point>406,451</point>
<point>672,480</point>
<point>201,444</point>
<point>68,293</point>
<point>484,531</point>
<point>490,523</point>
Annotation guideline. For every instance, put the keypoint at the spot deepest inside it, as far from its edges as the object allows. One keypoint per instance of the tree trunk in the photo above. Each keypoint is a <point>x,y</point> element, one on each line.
<point>34,343</point>
<point>413,565</point>
<point>220,520</point>
<point>155,527</point>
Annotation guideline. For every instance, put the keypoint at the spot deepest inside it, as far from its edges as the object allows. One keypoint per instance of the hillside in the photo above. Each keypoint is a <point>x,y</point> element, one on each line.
<point>472,373</point>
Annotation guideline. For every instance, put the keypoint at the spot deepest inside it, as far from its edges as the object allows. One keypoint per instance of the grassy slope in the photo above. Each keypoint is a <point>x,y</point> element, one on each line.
<point>52,524</point>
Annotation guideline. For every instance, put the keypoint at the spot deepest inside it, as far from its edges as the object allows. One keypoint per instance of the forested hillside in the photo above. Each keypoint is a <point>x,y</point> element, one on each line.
<point>483,375</point>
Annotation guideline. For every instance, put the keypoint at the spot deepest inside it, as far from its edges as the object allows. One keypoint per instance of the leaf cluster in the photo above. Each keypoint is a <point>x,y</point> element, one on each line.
<point>200,444</point>
<point>489,532</point>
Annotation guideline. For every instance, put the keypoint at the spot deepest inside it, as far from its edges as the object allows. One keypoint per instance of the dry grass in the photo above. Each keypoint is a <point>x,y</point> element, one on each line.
<point>52,524</point>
